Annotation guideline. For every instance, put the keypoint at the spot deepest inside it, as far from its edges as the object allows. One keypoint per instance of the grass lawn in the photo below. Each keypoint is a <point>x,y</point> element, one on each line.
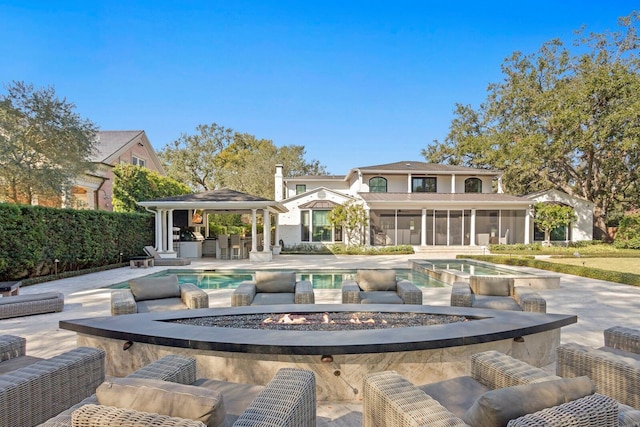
<point>624,265</point>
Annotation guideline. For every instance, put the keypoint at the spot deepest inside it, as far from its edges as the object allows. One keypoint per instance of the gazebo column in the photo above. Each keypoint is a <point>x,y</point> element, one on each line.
<point>276,245</point>
<point>254,231</point>
<point>163,229</point>
<point>170,252</point>
<point>265,254</point>
<point>158,230</point>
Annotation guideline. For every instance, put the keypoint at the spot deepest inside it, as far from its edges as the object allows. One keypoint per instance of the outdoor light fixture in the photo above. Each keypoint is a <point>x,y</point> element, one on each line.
<point>127,345</point>
<point>518,339</point>
<point>326,358</point>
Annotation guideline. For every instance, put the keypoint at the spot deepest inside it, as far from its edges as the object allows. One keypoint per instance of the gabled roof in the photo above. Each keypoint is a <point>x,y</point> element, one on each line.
<point>108,142</point>
<point>223,199</point>
<point>292,199</point>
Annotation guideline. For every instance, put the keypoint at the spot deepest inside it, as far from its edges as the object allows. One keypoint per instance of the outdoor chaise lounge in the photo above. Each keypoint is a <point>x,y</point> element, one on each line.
<point>500,391</point>
<point>273,287</point>
<point>497,293</point>
<point>29,304</point>
<point>614,368</point>
<point>147,398</point>
<point>379,287</point>
<point>157,294</point>
<point>159,261</point>
<point>38,389</point>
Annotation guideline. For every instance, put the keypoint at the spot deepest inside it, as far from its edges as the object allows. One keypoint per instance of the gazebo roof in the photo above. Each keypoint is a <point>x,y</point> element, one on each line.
<point>224,199</point>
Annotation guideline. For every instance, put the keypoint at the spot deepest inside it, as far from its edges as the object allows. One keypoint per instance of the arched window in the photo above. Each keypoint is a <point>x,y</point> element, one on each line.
<point>378,184</point>
<point>472,185</point>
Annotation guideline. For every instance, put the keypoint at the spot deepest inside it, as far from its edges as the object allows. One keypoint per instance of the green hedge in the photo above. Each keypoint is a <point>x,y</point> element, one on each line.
<point>32,238</point>
<point>576,270</point>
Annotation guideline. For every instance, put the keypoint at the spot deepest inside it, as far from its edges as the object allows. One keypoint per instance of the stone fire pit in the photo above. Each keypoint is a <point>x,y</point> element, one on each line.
<point>339,357</point>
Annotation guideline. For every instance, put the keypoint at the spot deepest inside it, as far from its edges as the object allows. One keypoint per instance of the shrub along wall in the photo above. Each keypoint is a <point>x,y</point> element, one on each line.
<point>529,261</point>
<point>33,237</point>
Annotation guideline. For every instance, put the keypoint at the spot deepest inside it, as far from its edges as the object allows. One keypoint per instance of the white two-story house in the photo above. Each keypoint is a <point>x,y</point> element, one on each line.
<point>413,203</point>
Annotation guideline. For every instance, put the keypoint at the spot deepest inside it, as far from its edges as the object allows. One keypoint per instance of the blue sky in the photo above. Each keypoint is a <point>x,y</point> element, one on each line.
<point>356,82</point>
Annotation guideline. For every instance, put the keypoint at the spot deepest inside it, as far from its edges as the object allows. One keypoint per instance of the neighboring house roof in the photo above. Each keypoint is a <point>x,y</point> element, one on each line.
<point>423,167</point>
<point>403,167</point>
<point>223,199</point>
<point>454,198</point>
<point>555,193</point>
<point>110,144</point>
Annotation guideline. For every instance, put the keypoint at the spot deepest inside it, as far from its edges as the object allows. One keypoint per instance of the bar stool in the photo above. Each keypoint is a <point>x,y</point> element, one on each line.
<point>235,244</point>
<point>223,245</point>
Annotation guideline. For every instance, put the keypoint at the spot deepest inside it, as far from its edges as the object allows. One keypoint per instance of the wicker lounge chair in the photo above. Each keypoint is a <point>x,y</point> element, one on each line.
<point>500,389</point>
<point>287,401</point>
<point>157,294</point>
<point>29,304</point>
<point>273,287</point>
<point>614,368</point>
<point>34,393</point>
<point>496,293</point>
<point>379,287</point>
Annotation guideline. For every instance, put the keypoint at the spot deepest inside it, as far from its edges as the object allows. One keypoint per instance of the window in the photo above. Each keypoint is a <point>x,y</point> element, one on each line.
<point>424,185</point>
<point>378,184</point>
<point>320,226</point>
<point>300,188</point>
<point>138,161</point>
<point>304,226</point>
<point>472,185</point>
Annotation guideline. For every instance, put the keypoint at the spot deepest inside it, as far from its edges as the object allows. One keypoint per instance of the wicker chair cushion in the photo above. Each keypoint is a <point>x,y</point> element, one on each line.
<point>496,407</point>
<point>155,288</point>
<point>29,297</point>
<point>275,281</point>
<point>380,297</point>
<point>496,286</point>
<point>456,394</point>
<point>164,398</point>
<point>495,303</point>
<point>163,304</point>
<point>273,298</point>
<point>376,280</point>
<point>237,397</point>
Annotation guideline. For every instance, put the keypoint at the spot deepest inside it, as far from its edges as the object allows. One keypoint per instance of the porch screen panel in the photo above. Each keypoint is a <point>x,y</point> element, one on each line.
<point>487,225</point>
<point>514,221</point>
<point>455,227</point>
<point>321,227</point>
<point>429,228</point>
<point>441,227</point>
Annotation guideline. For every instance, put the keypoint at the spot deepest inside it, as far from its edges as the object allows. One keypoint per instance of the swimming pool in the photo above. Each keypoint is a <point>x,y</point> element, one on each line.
<point>321,279</point>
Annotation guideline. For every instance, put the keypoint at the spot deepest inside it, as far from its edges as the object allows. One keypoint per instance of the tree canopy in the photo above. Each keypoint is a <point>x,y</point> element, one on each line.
<point>44,144</point>
<point>132,184</point>
<point>220,158</point>
<point>561,118</point>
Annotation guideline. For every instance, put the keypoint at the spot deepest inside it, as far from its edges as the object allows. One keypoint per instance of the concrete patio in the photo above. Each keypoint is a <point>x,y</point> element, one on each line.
<point>597,304</point>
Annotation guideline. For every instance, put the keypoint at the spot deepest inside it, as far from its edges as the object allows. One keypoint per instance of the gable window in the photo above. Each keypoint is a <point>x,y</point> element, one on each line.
<point>424,184</point>
<point>378,184</point>
<point>138,161</point>
<point>472,185</point>
<point>300,188</point>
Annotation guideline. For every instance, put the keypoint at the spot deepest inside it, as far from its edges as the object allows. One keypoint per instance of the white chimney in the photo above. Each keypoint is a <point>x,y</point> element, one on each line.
<point>279,183</point>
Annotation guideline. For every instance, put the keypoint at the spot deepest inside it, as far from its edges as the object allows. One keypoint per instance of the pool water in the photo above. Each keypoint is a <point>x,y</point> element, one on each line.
<point>321,279</point>
<point>472,268</point>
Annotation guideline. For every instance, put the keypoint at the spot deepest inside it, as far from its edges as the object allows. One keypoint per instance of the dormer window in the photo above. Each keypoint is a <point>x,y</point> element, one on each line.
<point>472,185</point>
<point>378,184</point>
<point>424,184</point>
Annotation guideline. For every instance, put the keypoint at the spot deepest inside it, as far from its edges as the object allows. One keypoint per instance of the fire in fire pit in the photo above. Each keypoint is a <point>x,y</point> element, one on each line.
<point>328,321</point>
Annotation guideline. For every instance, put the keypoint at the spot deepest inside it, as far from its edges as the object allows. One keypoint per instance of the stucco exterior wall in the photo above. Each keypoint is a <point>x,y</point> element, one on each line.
<point>582,227</point>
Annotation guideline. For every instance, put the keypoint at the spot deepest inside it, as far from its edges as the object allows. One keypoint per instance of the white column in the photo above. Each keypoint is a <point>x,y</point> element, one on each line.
<point>266,220</point>
<point>163,230</point>
<point>423,228</point>
<point>158,231</point>
<point>170,230</point>
<point>276,245</point>
<point>367,232</point>
<point>409,183</point>
<point>472,240</point>
<point>500,184</point>
<point>527,225</point>
<point>254,231</point>
<point>453,184</point>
